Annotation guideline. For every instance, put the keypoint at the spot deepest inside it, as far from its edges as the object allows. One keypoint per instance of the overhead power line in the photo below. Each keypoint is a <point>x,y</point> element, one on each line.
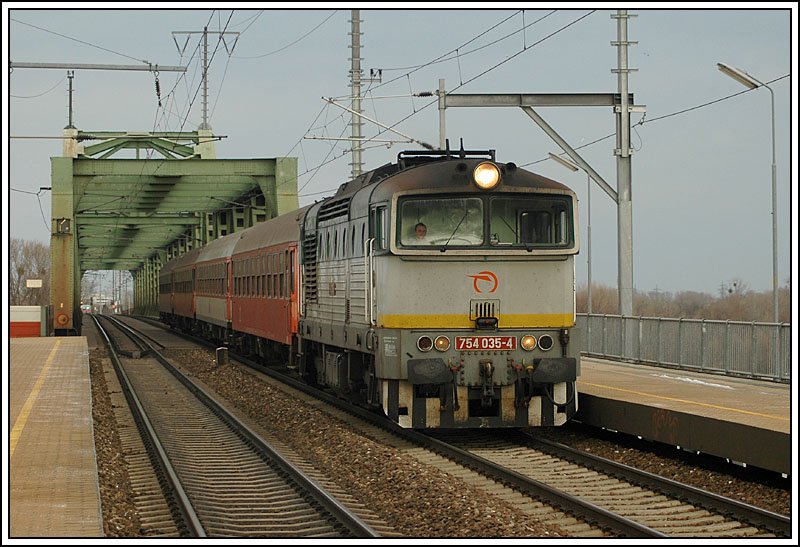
<point>80,41</point>
<point>291,43</point>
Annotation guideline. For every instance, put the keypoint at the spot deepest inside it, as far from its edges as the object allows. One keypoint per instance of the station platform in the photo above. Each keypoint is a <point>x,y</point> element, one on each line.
<point>746,421</point>
<point>54,489</point>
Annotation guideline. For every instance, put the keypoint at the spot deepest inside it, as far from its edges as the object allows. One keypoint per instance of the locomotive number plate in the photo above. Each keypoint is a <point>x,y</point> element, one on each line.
<point>468,343</point>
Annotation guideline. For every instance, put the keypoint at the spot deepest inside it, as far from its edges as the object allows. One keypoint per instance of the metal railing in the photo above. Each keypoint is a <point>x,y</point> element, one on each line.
<point>753,350</point>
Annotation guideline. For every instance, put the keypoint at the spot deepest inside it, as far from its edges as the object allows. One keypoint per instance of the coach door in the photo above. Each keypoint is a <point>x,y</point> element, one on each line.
<point>291,298</point>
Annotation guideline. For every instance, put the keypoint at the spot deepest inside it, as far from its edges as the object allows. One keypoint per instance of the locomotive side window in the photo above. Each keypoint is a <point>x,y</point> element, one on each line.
<point>380,227</point>
<point>447,221</point>
<point>542,221</point>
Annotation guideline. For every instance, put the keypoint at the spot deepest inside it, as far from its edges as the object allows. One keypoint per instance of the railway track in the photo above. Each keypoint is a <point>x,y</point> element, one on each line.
<point>670,507</point>
<point>226,480</point>
<point>587,503</point>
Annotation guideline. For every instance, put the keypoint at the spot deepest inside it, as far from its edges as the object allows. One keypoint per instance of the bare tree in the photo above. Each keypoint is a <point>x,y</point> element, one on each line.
<point>28,260</point>
<point>736,302</point>
<point>90,285</point>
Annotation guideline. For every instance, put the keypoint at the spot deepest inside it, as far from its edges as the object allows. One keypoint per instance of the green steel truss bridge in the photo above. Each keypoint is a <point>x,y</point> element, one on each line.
<point>136,213</point>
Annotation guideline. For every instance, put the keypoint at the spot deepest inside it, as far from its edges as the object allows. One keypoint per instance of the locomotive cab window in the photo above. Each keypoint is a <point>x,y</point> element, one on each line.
<point>541,221</point>
<point>445,221</point>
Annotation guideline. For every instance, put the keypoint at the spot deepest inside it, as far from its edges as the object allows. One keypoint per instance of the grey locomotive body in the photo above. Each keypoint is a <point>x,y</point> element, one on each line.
<point>442,289</point>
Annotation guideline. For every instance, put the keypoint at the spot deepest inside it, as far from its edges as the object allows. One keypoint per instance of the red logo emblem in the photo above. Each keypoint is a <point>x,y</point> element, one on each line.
<point>484,276</point>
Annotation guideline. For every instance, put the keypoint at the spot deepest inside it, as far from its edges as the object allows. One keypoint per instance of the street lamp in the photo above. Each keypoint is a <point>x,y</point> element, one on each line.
<point>750,82</point>
<point>571,166</point>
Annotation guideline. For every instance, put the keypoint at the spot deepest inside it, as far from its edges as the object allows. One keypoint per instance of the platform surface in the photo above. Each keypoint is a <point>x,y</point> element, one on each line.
<point>761,404</point>
<point>744,420</point>
<point>53,481</point>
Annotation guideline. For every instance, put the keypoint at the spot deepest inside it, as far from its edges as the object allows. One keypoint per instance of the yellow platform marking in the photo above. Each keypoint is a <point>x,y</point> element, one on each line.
<point>785,419</point>
<point>22,419</point>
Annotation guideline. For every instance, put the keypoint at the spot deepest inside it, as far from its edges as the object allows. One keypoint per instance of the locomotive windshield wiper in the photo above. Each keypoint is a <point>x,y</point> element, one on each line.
<point>516,235</point>
<point>457,227</point>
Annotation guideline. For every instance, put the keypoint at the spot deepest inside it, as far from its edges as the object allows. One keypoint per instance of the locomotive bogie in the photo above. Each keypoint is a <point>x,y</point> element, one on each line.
<point>465,407</point>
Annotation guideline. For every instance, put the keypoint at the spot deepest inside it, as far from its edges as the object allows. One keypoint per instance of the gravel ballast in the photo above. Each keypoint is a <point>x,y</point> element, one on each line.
<point>414,498</point>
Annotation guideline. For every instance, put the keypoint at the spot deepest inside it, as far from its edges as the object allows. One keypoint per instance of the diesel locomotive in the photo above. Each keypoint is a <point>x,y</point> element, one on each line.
<point>440,288</point>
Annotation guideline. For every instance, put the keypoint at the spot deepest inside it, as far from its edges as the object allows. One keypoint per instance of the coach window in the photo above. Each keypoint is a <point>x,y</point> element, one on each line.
<point>363,236</point>
<point>280,275</point>
<point>253,274</point>
<point>352,241</point>
<point>274,275</point>
<point>256,276</point>
<point>263,275</point>
<point>291,272</point>
<point>271,275</point>
<point>276,291</point>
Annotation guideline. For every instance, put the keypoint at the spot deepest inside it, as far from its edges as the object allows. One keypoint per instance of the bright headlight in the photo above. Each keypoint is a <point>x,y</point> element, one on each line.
<point>527,342</point>
<point>486,175</point>
<point>442,343</point>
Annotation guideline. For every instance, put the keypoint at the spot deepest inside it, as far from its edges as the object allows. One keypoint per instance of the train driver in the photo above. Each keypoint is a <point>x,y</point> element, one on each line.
<point>421,231</point>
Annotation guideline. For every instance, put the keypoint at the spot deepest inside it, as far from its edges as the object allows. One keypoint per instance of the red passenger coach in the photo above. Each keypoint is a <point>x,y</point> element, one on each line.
<point>213,287</point>
<point>176,287</point>
<point>265,283</point>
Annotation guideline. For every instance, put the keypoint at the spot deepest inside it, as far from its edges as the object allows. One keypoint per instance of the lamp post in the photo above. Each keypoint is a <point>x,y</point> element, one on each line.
<point>749,81</point>
<point>571,166</point>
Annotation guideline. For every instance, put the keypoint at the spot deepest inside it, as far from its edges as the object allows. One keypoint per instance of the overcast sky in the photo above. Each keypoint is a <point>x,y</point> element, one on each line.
<point>701,169</point>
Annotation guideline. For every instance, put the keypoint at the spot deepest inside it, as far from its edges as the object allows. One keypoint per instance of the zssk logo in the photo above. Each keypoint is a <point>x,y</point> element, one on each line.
<point>487,277</point>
